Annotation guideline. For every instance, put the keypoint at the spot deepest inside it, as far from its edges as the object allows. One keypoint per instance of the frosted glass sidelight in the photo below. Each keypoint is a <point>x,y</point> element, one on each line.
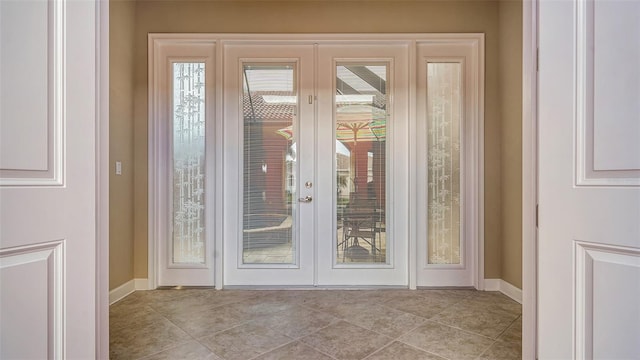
<point>188,163</point>
<point>360,158</point>
<point>269,105</point>
<point>444,118</point>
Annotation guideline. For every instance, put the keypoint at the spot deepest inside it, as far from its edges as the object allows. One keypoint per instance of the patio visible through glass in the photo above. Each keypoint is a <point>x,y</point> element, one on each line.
<point>360,162</point>
<point>269,182</point>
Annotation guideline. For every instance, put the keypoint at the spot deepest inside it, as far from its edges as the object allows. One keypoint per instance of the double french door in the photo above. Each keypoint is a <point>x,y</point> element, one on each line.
<point>311,132</point>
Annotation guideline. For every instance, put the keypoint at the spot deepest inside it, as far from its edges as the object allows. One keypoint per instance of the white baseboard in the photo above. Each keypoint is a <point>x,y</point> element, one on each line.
<point>504,287</point>
<point>127,288</point>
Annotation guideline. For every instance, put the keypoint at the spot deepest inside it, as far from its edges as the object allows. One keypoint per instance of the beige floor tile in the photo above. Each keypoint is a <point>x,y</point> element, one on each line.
<point>387,321</point>
<point>513,333</point>
<point>192,350</point>
<point>244,342</point>
<point>294,351</point>
<point>481,318</point>
<point>495,300</point>
<point>446,341</point>
<point>125,316</point>
<point>400,351</point>
<point>145,335</point>
<point>346,341</point>
<point>260,306</point>
<point>420,305</point>
<point>207,322</point>
<point>201,300</point>
<point>297,322</point>
<point>502,350</point>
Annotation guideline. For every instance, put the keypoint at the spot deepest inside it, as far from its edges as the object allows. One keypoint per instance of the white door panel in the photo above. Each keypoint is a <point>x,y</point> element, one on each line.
<point>589,200</point>
<point>48,179</point>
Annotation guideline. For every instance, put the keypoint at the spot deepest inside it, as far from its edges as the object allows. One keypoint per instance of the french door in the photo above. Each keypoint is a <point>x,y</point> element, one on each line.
<point>314,134</point>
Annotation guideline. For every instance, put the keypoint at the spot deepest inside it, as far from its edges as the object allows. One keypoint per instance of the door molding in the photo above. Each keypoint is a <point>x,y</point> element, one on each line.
<point>102,180</point>
<point>411,40</point>
<point>529,177</point>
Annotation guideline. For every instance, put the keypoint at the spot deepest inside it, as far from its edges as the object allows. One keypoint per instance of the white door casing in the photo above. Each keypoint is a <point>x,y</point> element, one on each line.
<point>403,153</point>
<point>589,180</point>
<point>48,179</point>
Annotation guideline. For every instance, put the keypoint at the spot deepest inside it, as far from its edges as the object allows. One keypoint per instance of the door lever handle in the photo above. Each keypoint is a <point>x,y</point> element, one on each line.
<point>306,199</point>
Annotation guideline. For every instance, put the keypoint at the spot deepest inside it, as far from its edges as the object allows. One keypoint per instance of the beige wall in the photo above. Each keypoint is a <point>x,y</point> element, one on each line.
<point>510,60</point>
<point>121,77</point>
<point>332,17</point>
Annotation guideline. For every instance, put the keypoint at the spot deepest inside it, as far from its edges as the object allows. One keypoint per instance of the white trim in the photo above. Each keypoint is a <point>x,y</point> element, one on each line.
<point>102,180</point>
<point>492,284</point>
<point>126,289</point>
<point>121,291</point>
<point>504,287</point>
<point>511,291</point>
<point>152,183</point>
<point>529,177</point>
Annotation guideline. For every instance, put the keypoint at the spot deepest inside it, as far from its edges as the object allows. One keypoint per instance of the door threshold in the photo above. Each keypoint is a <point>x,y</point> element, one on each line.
<point>311,287</point>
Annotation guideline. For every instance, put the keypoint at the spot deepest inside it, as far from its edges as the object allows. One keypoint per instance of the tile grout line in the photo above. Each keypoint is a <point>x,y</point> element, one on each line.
<point>172,323</point>
<point>463,330</point>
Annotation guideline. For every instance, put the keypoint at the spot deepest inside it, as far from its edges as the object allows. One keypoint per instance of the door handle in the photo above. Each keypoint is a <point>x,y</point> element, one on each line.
<point>306,199</point>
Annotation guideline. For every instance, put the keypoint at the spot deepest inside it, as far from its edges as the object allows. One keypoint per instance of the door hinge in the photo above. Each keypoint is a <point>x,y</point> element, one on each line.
<point>310,99</point>
<point>536,216</point>
<point>537,59</point>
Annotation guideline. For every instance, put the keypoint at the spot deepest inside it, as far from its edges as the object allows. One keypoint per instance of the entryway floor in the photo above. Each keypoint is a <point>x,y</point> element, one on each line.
<point>315,324</point>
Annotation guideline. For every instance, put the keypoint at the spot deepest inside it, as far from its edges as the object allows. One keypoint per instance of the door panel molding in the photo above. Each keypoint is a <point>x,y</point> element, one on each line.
<point>595,266</point>
<point>32,152</point>
<point>41,317</point>
<point>607,148</point>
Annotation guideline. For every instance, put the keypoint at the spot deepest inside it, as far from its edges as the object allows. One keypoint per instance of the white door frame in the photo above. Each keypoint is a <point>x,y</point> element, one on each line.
<point>410,39</point>
<point>102,178</point>
<point>529,177</point>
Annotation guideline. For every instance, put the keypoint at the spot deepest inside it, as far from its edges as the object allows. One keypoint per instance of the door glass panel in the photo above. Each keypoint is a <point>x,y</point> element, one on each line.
<point>361,128</point>
<point>269,106</point>
<point>188,163</point>
<point>444,116</point>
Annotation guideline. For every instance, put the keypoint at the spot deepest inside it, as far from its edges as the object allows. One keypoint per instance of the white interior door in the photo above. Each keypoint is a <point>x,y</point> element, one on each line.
<point>269,165</point>
<point>589,180</point>
<point>48,179</point>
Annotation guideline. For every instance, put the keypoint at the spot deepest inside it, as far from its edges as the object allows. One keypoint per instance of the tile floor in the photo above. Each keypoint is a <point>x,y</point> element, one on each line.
<point>315,324</point>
